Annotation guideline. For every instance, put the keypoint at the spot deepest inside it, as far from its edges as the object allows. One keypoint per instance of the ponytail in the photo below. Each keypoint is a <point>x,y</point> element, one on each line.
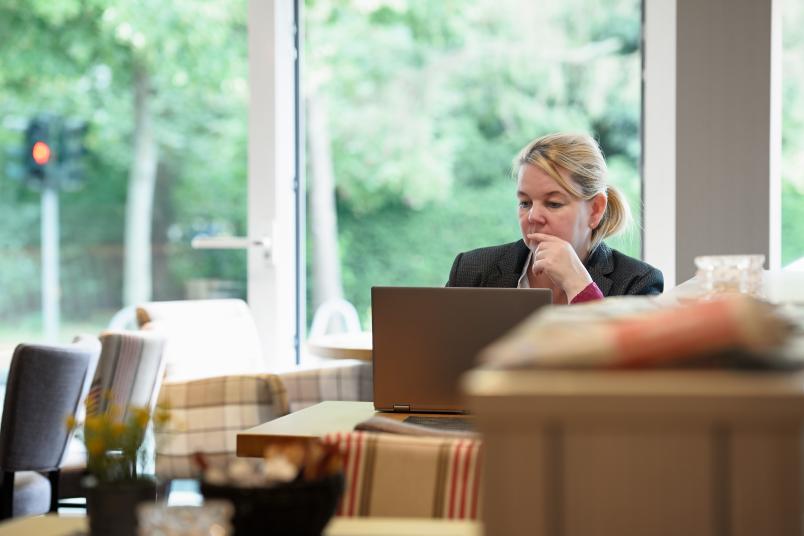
<point>616,217</point>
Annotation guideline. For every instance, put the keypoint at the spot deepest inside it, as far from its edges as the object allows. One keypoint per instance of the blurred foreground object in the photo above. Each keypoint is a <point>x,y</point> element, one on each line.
<point>210,519</point>
<point>294,489</point>
<point>647,452</point>
<point>639,332</point>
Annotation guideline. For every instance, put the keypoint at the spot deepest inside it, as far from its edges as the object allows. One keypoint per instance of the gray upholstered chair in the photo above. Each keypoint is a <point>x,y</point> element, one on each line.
<point>45,385</point>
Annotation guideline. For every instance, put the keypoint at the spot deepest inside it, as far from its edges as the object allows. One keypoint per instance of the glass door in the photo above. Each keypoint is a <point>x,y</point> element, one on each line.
<point>415,110</point>
<point>125,136</point>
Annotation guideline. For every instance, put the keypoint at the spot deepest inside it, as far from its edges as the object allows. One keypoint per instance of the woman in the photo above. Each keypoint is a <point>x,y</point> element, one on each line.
<point>566,209</point>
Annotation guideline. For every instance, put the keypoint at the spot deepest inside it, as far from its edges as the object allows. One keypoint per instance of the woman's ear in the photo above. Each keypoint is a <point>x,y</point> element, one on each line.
<point>598,205</point>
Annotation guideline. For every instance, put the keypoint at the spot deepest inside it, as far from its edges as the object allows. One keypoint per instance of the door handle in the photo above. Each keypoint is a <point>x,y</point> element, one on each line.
<point>233,242</point>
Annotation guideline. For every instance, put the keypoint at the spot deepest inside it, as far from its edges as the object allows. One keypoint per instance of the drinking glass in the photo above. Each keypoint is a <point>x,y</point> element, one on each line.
<point>210,519</point>
<point>720,274</point>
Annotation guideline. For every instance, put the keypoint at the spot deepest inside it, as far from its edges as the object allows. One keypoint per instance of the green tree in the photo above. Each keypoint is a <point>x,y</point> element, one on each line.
<point>162,84</point>
<point>428,102</point>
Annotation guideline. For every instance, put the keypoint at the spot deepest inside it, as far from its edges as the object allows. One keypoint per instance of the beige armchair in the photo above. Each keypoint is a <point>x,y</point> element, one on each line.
<point>204,338</point>
<point>216,383</point>
<point>208,413</point>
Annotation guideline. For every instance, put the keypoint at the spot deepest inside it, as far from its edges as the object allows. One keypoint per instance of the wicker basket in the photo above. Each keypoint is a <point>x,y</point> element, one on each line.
<point>298,508</point>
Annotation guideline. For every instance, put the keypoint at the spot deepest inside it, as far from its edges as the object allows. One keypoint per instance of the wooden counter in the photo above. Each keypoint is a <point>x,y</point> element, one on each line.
<point>648,452</point>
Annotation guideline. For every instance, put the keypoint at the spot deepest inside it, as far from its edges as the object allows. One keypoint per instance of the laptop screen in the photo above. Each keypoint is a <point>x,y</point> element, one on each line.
<point>424,338</point>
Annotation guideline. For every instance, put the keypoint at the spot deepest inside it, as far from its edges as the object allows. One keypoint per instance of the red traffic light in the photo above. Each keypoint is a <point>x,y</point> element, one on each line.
<point>41,153</point>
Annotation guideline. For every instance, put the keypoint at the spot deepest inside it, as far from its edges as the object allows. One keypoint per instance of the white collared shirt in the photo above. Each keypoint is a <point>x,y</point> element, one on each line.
<point>523,279</point>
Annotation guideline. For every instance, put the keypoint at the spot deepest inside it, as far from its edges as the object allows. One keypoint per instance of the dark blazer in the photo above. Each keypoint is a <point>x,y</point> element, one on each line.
<point>614,273</point>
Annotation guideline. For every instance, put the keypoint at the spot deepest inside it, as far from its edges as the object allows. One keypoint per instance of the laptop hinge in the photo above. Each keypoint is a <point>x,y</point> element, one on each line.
<point>403,408</point>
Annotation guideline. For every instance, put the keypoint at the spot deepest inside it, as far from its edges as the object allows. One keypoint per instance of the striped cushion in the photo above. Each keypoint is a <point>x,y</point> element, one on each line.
<point>129,372</point>
<point>207,414</point>
<point>402,476</point>
<point>336,380</point>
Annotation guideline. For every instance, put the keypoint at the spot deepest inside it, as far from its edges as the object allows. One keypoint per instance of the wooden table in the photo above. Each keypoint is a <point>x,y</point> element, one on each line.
<point>342,345</point>
<point>51,525</point>
<point>312,423</point>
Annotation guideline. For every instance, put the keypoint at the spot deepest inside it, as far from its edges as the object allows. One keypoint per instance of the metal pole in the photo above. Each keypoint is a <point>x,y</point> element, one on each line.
<point>50,262</point>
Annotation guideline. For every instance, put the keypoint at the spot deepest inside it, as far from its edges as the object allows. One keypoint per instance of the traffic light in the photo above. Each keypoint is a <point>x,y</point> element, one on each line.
<point>39,144</point>
<point>71,151</point>
<point>53,153</point>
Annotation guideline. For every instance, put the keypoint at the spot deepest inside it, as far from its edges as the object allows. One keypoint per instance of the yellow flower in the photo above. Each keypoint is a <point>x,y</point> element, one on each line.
<point>161,417</point>
<point>94,423</point>
<point>118,429</point>
<point>114,411</point>
<point>141,417</point>
<point>96,446</point>
<point>70,422</point>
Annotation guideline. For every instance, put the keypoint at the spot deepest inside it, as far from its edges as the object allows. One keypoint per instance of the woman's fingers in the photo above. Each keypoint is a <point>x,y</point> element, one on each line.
<point>538,266</point>
<point>553,257</point>
<point>541,237</point>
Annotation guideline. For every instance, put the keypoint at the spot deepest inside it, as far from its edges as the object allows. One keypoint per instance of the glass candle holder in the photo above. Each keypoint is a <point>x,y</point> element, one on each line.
<point>213,518</point>
<point>720,274</point>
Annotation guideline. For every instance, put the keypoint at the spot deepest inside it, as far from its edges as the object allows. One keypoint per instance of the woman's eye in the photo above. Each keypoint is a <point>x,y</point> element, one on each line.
<point>524,204</point>
<point>554,204</point>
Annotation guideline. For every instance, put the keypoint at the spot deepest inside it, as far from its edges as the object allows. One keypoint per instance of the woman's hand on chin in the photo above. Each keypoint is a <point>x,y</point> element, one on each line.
<point>558,260</point>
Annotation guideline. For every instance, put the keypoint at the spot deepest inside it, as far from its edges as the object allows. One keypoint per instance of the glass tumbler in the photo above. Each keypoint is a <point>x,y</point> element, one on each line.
<point>720,274</point>
<point>213,518</point>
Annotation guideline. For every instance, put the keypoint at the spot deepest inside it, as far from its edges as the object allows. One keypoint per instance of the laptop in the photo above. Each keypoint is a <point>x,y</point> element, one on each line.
<point>425,338</point>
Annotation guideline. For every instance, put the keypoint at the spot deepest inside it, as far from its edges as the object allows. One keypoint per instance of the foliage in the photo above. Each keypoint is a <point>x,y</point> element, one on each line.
<point>74,59</point>
<point>793,132</point>
<point>433,101</point>
<point>114,440</point>
<point>429,101</point>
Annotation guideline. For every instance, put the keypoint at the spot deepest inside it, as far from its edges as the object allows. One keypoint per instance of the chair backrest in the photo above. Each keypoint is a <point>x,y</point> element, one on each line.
<point>205,338</point>
<point>341,379</point>
<point>92,343</point>
<point>130,371</point>
<point>206,416</point>
<point>337,313</point>
<point>389,475</point>
<point>45,385</point>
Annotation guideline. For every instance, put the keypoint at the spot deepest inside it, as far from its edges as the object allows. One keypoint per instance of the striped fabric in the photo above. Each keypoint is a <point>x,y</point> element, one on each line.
<point>401,476</point>
<point>207,414</point>
<point>337,380</point>
<point>129,371</point>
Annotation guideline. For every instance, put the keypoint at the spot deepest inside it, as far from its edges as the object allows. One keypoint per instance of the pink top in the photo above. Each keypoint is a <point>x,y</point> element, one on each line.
<point>590,293</point>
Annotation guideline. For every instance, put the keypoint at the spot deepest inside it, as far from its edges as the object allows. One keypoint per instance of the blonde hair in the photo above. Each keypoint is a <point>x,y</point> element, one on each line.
<point>580,155</point>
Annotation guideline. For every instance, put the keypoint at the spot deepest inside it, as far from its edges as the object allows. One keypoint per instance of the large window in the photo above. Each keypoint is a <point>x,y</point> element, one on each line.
<point>415,110</point>
<point>793,134</point>
<point>144,106</point>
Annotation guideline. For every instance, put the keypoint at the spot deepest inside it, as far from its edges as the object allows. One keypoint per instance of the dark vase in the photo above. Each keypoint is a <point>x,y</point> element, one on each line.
<point>300,508</point>
<point>112,506</point>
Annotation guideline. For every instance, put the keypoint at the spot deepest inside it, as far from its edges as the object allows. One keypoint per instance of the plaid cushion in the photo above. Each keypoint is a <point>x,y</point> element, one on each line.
<point>338,380</point>
<point>207,414</point>
<point>403,476</point>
